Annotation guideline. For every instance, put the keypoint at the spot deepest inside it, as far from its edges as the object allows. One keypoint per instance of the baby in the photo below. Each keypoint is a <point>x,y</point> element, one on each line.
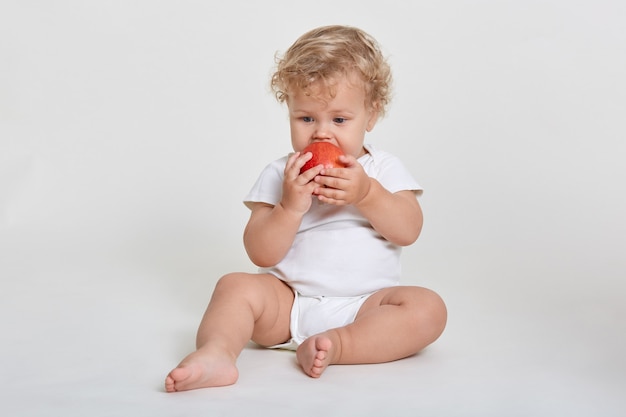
<point>327,241</point>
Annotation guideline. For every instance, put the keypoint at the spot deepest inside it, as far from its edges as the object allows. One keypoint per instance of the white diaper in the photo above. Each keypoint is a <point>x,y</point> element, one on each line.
<point>313,315</point>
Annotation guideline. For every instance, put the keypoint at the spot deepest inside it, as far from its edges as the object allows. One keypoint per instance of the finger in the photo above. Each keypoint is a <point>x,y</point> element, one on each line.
<point>348,160</point>
<point>331,182</point>
<point>291,160</point>
<point>330,193</point>
<point>331,200</point>
<point>310,174</point>
<point>294,164</point>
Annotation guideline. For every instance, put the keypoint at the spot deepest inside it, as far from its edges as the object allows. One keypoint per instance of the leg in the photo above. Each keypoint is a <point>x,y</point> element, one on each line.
<point>243,307</point>
<point>393,323</point>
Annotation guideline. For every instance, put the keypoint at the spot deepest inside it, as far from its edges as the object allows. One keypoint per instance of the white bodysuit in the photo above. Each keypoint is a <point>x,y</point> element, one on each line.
<point>336,253</point>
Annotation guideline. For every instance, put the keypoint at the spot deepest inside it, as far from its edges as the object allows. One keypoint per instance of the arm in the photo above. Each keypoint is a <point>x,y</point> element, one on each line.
<point>396,216</point>
<point>270,231</point>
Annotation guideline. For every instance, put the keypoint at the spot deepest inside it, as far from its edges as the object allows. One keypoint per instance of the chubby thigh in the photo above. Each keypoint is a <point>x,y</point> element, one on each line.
<point>270,300</point>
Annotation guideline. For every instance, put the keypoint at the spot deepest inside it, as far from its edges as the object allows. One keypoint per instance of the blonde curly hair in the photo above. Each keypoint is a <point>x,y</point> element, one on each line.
<point>330,52</point>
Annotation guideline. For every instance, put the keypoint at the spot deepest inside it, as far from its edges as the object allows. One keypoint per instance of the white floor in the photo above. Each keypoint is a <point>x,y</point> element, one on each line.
<point>95,336</point>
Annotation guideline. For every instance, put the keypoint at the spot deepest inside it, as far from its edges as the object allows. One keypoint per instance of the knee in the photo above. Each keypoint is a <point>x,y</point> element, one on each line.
<point>439,312</point>
<point>246,285</point>
<point>431,314</point>
<point>231,282</point>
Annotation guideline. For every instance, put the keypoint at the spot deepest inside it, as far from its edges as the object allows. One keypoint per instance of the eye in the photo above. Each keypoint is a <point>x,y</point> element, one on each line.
<point>339,120</point>
<point>307,119</point>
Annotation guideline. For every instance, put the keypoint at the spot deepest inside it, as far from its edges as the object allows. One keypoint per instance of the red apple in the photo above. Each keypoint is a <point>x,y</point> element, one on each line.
<point>324,153</point>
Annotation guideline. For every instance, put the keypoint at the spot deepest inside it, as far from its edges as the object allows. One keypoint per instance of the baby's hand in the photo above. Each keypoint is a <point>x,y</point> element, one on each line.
<point>342,186</point>
<point>298,188</point>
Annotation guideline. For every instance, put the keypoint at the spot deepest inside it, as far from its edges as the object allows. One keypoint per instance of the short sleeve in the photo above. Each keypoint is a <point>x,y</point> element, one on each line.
<point>268,187</point>
<point>389,170</point>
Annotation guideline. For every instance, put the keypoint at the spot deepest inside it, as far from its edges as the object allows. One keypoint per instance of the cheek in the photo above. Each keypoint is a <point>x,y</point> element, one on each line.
<point>299,140</point>
<point>351,148</point>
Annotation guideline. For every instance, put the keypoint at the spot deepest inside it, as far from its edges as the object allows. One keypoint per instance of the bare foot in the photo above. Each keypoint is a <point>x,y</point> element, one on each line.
<point>314,355</point>
<point>202,370</point>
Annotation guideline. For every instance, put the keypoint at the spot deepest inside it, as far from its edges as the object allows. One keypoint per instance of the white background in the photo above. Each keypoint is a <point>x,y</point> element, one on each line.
<point>131,130</point>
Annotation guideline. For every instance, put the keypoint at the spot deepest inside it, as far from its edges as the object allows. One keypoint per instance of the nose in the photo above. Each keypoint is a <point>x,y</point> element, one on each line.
<point>322,131</point>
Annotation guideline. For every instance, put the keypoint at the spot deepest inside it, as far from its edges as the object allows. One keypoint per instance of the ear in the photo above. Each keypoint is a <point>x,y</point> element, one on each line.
<point>373,118</point>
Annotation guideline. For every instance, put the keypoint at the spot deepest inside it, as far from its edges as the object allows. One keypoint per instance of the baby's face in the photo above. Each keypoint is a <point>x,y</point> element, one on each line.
<point>341,120</point>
